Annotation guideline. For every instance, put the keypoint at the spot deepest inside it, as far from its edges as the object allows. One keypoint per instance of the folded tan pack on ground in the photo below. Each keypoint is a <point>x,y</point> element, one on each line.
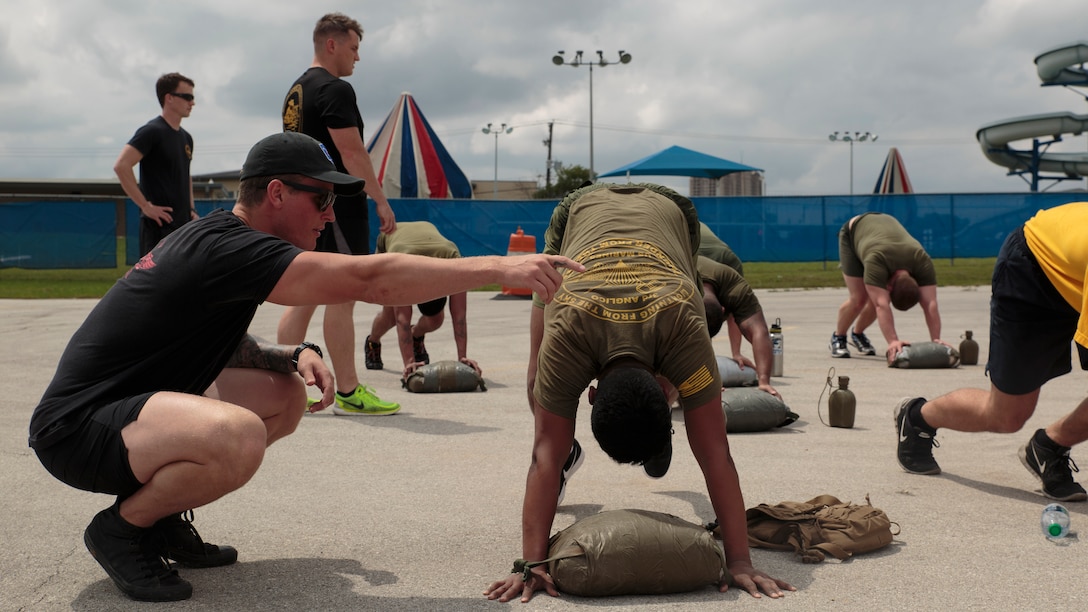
<point>819,527</point>
<point>920,355</point>
<point>634,552</point>
<point>444,377</point>
<point>749,409</point>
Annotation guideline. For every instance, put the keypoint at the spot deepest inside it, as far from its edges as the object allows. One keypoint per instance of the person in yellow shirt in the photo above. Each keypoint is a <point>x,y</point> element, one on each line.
<point>1037,309</point>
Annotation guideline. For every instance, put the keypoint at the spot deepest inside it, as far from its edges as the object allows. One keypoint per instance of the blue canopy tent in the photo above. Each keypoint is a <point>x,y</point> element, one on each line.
<point>678,161</point>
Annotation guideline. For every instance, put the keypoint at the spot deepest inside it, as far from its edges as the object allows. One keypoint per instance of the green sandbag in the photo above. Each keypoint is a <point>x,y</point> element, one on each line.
<point>733,376</point>
<point>921,355</point>
<point>634,552</point>
<point>748,409</point>
<point>444,377</point>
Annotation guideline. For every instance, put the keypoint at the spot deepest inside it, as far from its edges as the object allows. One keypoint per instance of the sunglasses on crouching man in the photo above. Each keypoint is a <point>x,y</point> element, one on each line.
<point>323,203</point>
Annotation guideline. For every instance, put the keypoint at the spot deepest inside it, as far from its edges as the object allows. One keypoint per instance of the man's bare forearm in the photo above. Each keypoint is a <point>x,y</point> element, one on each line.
<point>253,352</point>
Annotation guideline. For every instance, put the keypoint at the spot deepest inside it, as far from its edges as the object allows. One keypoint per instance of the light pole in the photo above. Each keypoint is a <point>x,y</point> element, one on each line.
<point>560,60</point>
<point>496,132</point>
<point>851,138</point>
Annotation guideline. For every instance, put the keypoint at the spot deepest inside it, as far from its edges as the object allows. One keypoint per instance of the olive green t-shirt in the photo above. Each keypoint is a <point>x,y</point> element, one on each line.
<point>733,292</point>
<point>877,246</point>
<point>714,249</point>
<point>417,238</point>
<point>638,298</point>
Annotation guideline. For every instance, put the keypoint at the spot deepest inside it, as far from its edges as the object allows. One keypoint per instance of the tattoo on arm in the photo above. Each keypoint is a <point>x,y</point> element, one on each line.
<point>253,352</point>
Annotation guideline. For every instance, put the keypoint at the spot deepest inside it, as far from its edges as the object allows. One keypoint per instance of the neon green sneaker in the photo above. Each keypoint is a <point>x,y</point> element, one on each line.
<point>363,402</point>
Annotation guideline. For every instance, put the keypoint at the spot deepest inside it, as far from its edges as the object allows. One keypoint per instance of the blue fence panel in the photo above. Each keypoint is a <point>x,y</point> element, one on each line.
<point>43,235</point>
<point>777,229</point>
<point>477,227</point>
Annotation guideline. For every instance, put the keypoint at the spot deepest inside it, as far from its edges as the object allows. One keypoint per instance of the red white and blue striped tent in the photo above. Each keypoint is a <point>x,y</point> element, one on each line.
<point>410,161</point>
<point>893,176</point>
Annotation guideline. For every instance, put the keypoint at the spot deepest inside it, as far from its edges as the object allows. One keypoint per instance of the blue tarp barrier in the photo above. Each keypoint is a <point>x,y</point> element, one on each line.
<point>44,235</point>
<point>80,234</point>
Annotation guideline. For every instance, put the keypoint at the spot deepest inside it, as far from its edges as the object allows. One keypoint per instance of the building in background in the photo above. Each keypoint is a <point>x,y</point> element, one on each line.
<point>504,190</point>
<point>734,184</point>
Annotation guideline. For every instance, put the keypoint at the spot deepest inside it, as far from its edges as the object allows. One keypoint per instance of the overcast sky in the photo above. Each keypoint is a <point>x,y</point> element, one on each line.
<point>759,82</point>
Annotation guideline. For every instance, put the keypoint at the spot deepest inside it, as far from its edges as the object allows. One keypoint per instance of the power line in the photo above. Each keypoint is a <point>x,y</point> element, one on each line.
<point>240,149</point>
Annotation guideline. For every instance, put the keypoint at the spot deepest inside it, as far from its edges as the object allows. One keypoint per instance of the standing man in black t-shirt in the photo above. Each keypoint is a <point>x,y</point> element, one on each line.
<point>322,105</point>
<point>164,150</point>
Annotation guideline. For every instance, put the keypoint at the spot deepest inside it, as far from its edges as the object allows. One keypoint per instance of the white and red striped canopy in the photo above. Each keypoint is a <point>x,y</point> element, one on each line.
<point>893,176</point>
<point>410,161</point>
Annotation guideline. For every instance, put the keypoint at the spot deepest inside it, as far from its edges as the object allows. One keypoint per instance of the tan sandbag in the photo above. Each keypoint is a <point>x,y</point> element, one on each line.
<point>733,376</point>
<point>926,355</point>
<point>634,552</point>
<point>444,377</point>
<point>750,409</point>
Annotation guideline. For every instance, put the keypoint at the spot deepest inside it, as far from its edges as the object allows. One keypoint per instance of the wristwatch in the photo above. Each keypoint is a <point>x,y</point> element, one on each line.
<point>303,347</point>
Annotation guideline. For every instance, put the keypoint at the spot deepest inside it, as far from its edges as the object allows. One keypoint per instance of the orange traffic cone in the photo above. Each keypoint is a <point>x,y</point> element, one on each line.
<point>520,244</point>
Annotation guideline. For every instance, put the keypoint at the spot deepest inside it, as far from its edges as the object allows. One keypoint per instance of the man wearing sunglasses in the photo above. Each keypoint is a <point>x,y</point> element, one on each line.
<point>322,104</point>
<point>173,417</point>
<point>164,150</point>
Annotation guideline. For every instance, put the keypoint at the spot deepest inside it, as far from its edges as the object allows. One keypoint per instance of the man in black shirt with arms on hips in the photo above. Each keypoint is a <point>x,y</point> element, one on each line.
<point>164,150</point>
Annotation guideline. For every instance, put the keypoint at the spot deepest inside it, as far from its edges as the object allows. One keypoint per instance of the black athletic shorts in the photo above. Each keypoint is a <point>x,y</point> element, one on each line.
<point>94,457</point>
<point>1031,324</point>
<point>350,233</point>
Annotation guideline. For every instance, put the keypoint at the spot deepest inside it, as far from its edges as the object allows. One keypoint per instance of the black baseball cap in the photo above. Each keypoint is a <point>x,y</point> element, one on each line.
<point>297,153</point>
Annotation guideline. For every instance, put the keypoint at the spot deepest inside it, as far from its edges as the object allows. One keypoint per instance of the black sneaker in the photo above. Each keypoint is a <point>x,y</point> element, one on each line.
<point>419,350</point>
<point>184,545</point>
<point>373,355</point>
<point>658,465</point>
<point>915,448</point>
<point>132,557</point>
<point>574,461</point>
<point>838,346</point>
<point>861,342</point>
<point>1054,469</point>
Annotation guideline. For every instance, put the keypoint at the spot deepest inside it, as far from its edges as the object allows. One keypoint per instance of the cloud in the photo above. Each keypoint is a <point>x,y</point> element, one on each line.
<point>762,83</point>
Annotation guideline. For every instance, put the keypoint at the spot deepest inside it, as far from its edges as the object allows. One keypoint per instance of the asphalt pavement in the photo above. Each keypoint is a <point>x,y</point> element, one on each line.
<point>422,510</point>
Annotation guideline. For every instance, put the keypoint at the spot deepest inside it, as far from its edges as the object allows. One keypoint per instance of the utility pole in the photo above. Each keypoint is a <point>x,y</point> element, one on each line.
<point>548,143</point>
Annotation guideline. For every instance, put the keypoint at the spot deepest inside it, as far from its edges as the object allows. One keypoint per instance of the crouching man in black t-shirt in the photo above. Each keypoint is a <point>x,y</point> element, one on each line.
<point>161,397</point>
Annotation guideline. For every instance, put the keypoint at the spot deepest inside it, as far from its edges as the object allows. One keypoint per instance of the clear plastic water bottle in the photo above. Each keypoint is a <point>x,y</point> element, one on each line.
<point>1055,522</point>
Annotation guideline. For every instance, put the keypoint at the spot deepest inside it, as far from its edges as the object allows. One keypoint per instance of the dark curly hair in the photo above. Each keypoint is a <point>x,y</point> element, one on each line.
<point>631,418</point>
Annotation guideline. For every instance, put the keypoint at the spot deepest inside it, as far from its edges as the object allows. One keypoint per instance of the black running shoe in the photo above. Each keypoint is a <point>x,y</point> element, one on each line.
<point>1054,468</point>
<point>184,545</point>
<point>373,355</point>
<point>915,448</point>
<point>574,461</point>
<point>419,350</point>
<point>132,557</point>
<point>658,465</point>
<point>838,346</point>
<point>861,342</point>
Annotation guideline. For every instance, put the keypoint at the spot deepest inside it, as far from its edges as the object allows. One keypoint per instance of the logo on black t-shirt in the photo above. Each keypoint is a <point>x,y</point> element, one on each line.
<point>146,263</point>
<point>292,109</point>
